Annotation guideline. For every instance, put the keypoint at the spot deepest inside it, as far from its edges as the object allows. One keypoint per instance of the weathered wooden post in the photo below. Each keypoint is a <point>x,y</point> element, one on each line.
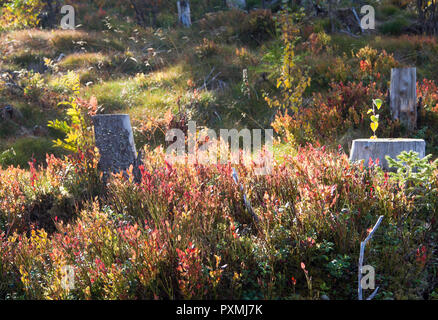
<point>184,13</point>
<point>115,141</point>
<point>403,96</point>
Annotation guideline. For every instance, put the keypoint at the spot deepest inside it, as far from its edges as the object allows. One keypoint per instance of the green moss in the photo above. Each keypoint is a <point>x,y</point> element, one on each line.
<point>8,129</point>
<point>386,11</point>
<point>24,58</point>
<point>84,60</point>
<point>30,148</point>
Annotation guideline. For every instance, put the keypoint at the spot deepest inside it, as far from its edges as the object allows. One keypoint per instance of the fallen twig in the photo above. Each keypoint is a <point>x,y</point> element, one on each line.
<point>245,200</point>
<point>361,256</point>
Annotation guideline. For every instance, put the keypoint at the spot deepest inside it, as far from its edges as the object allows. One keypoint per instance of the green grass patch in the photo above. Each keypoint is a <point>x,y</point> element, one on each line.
<point>84,60</point>
<point>26,149</point>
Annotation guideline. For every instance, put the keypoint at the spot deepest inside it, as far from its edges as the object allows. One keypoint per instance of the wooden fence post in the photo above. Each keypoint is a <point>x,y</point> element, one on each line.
<point>403,96</point>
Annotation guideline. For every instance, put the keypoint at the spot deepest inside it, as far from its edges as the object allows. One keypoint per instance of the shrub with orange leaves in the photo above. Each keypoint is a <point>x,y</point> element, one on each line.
<point>427,91</point>
<point>183,231</point>
<point>331,114</point>
<point>375,65</point>
<point>192,279</point>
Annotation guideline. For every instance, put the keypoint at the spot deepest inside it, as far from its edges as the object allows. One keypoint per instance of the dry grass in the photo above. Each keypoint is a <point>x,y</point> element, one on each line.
<point>56,41</point>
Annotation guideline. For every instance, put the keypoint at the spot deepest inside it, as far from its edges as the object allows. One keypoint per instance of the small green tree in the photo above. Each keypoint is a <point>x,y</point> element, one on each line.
<point>377,103</point>
<point>291,82</point>
<point>78,130</point>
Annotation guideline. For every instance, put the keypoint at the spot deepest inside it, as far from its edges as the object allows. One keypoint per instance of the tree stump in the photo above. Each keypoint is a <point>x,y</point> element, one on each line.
<point>184,13</point>
<point>115,141</point>
<point>365,149</point>
<point>403,96</point>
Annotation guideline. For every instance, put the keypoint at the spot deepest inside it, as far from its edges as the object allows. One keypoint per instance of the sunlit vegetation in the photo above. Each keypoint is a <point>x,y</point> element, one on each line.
<point>183,231</point>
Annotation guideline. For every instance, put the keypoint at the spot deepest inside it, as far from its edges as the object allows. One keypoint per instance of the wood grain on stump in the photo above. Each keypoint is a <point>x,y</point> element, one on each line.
<point>364,149</point>
<point>403,96</point>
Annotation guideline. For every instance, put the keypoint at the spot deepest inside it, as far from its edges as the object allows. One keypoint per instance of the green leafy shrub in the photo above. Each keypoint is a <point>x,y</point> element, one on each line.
<point>415,175</point>
<point>395,26</point>
<point>78,131</point>
<point>258,26</point>
<point>26,149</point>
<point>34,86</point>
<point>7,156</point>
<point>21,13</point>
<point>207,48</point>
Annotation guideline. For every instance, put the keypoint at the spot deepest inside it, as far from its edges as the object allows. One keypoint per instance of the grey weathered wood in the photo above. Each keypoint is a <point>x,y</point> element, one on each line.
<point>364,149</point>
<point>115,141</point>
<point>184,13</point>
<point>357,19</point>
<point>403,96</point>
<point>361,257</point>
<point>245,200</point>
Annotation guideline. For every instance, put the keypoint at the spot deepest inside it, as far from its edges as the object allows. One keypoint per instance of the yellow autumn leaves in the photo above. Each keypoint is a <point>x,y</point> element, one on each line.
<point>377,103</point>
